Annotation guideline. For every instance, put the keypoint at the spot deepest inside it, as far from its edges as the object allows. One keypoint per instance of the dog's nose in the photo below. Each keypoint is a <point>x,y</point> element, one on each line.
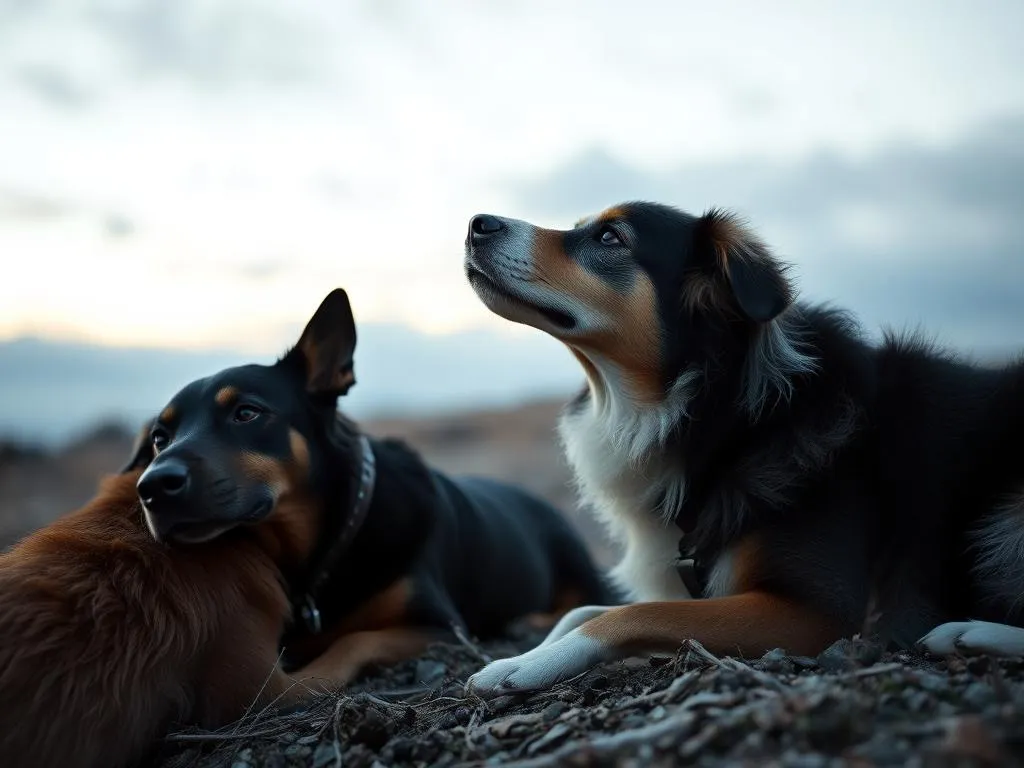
<point>167,480</point>
<point>483,225</point>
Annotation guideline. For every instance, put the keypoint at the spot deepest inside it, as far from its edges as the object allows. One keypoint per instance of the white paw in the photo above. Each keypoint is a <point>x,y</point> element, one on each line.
<point>540,668</point>
<point>975,637</point>
<point>573,619</point>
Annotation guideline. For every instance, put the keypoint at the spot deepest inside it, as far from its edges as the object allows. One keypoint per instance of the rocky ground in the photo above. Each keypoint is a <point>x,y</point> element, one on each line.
<point>852,705</point>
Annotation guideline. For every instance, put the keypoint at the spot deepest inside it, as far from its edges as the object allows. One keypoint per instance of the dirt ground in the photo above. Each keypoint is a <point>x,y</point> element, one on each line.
<point>853,705</point>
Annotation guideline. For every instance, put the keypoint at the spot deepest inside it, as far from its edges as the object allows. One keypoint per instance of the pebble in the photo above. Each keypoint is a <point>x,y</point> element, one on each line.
<point>324,755</point>
<point>878,718</point>
<point>776,661</point>
<point>556,735</point>
<point>837,657</point>
<point>553,711</point>
<point>979,695</point>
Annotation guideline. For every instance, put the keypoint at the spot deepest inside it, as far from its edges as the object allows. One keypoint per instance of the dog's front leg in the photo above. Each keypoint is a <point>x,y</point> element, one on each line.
<point>747,624</point>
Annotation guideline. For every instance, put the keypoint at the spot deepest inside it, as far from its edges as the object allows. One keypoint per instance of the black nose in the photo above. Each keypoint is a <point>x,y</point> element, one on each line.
<point>484,225</point>
<point>167,480</point>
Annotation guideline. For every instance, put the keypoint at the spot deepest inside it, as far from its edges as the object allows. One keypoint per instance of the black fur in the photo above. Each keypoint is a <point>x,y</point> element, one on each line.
<point>476,553</point>
<point>866,474</point>
<point>864,479</point>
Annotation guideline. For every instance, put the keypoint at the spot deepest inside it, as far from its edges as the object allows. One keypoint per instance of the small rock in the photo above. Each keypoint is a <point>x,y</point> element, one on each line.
<point>243,759</point>
<point>633,720</point>
<point>837,657</point>
<point>932,683</point>
<point>556,735</point>
<point>803,662</point>
<point>298,751</point>
<point>979,695</point>
<point>776,661</point>
<point>552,711</point>
<point>325,754</point>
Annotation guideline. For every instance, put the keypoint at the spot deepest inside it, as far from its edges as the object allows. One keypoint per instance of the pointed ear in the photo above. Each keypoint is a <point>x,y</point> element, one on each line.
<point>757,281</point>
<point>142,450</point>
<point>324,351</point>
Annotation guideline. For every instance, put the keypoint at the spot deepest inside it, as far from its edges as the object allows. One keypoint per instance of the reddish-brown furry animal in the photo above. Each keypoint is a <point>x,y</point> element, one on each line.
<point>108,638</point>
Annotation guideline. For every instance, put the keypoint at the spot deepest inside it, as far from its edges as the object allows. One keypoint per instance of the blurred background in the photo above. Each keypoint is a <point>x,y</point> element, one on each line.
<point>182,181</point>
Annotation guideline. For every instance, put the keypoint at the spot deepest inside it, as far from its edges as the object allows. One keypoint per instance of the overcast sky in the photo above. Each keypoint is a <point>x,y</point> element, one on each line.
<point>199,173</point>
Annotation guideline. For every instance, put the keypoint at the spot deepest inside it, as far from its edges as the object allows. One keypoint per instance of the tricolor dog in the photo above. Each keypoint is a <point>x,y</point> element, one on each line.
<point>816,485</point>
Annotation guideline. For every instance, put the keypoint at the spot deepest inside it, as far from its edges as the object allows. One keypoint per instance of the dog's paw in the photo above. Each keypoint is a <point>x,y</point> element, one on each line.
<point>572,620</point>
<point>540,668</point>
<point>974,637</point>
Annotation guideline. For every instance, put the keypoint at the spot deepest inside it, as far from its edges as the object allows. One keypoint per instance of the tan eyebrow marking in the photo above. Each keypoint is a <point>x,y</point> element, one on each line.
<point>225,395</point>
<point>611,214</point>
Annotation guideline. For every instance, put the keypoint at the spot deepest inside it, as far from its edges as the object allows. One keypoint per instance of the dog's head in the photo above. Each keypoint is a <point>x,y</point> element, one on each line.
<point>240,447</point>
<point>638,292</point>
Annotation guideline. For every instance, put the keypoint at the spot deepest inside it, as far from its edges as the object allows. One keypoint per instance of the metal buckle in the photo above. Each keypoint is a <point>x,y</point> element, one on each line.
<point>311,615</point>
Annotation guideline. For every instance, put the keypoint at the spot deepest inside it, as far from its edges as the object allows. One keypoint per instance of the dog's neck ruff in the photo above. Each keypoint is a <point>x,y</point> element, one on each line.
<point>363,495</point>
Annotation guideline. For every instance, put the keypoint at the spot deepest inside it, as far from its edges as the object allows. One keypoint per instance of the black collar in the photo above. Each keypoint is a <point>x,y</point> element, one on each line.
<point>692,567</point>
<point>362,496</point>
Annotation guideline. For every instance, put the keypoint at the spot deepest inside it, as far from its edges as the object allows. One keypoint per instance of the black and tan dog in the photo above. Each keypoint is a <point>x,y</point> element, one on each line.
<point>372,540</point>
<point>263,514</point>
<point>818,481</point>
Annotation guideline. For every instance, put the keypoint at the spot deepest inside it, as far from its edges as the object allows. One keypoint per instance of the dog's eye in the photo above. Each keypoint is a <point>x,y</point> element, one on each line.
<point>608,236</point>
<point>160,439</point>
<point>246,413</point>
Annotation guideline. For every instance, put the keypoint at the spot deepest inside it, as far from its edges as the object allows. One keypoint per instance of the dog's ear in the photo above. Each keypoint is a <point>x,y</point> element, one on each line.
<point>756,280</point>
<point>142,450</point>
<point>324,351</point>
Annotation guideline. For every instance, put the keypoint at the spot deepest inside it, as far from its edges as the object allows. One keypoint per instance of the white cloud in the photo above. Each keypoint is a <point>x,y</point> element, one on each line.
<point>350,142</point>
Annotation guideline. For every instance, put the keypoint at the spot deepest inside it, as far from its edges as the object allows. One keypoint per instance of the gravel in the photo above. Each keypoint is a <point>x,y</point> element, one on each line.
<point>852,705</point>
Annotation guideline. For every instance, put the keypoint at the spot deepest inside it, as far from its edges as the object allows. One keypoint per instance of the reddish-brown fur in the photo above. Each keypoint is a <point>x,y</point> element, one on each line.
<point>107,637</point>
<point>749,622</point>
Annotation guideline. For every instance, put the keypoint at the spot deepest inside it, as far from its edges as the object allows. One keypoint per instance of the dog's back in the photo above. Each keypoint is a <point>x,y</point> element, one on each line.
<point>500,529</point>
<point>951,495</point>
<point>104,633</point>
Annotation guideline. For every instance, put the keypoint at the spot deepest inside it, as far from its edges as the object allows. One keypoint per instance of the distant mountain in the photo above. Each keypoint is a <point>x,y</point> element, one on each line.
<point>52,390</point>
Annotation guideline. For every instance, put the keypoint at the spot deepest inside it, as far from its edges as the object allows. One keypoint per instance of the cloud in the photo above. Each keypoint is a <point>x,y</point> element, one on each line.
<point>53,84</point>
<point>908,235</point>
<point>70,55</point>
<point>51,391</point>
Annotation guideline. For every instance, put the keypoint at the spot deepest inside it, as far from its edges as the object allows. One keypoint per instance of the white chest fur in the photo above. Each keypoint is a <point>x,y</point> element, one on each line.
<point>622,475</point>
